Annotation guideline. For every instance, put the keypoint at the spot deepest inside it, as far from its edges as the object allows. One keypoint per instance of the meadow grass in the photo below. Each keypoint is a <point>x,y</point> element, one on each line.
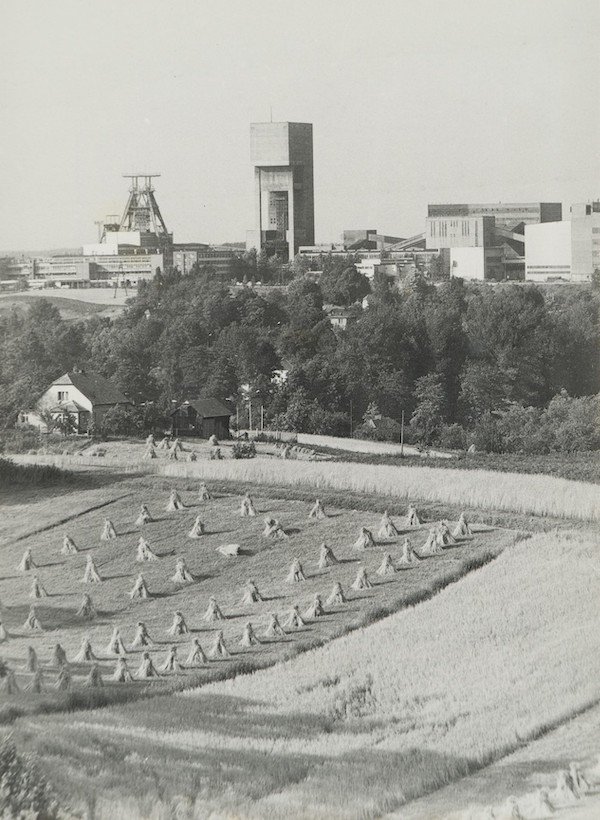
<point>578,466</point>
<point>528,494</point>
<point>32,475</point>
<point>539,495</point>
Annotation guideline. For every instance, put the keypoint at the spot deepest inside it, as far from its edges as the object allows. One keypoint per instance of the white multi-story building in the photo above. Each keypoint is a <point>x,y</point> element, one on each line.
<point>548,252</point>
<point>566,251</point>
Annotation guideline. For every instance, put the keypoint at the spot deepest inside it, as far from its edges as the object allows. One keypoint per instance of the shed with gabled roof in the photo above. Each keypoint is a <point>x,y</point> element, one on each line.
<point>201,417</point>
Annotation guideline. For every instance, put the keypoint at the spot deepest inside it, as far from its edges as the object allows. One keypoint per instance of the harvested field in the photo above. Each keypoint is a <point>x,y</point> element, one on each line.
<point>263,560</point>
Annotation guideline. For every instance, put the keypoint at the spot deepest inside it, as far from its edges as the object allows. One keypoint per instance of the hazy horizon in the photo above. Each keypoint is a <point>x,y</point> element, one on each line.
<point>411,103</point>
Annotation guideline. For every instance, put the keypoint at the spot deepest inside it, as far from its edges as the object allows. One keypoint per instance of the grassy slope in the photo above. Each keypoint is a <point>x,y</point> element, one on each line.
<point>70,307</point>
<point>529,768</point>
<point>264,561</point>
<point>357,727</point>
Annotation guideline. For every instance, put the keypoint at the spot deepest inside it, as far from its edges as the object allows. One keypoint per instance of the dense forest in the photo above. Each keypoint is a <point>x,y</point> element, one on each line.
<point>511,367</point>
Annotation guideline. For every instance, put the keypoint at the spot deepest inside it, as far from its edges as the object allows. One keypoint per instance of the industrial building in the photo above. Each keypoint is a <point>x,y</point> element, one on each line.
<point>218,260</point>
<point>282,156</point>
<point>566,251</point>
<point>129,250</point>
<point>485,241</point>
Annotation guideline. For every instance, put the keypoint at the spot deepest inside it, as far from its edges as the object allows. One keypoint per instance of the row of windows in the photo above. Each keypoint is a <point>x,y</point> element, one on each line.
<point>465,226</point>
<point>519,209</point>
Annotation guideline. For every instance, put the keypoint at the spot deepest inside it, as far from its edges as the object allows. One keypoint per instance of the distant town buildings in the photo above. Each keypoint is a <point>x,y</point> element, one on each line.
<point>375,254</point>
<point>282,156</point>
<point>474,241</point>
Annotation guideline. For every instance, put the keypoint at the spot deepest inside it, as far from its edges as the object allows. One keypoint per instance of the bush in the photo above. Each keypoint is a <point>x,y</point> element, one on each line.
<point>521,430</point>
<point>243,449</point>
<point>383,429</point>
<point>453,437</point>
<point>24,792</point>
<point>119,421</point>
<point>486,437</point>
<point>575,423</point>
<point>20,440</point>
<point>323,422</point>
<point>567,425</point>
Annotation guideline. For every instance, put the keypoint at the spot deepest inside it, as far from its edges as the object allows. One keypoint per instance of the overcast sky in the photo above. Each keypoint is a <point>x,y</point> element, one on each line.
<point>412,102</point>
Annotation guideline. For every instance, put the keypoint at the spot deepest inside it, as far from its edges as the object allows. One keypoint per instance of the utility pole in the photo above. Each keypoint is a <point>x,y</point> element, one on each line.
<point>402,436</point>
<point>262,418</point>
<point>250,415</point>
<point>351,421</point>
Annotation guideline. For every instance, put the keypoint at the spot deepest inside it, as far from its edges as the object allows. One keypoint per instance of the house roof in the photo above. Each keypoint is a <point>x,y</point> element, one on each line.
<point>336,310</point>
<point>93,386</point>
<point>207,408</point>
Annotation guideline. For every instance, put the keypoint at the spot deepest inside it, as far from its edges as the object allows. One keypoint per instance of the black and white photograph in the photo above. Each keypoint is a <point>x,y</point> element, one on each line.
<point>300,410</point>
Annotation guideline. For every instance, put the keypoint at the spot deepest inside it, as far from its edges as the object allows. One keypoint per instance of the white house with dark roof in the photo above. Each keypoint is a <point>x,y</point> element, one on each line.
<point>79,394</point>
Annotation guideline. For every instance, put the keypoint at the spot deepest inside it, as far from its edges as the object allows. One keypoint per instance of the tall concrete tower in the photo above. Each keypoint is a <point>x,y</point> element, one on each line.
<point>282,155</point>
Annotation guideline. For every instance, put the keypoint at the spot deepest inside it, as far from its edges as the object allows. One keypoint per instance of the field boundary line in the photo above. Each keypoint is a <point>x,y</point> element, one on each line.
<point>521,743</point>
<point>73,517</point>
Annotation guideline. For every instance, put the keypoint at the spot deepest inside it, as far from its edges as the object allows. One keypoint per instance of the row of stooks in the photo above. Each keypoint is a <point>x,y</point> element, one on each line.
<point>438,538</point>
<point>176,447</point>
<point>142,640</point>
<point>179,627</point>
<point>183,575</point>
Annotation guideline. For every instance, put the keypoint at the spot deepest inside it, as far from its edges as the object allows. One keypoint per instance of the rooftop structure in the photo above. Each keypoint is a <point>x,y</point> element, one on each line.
<point>142,212</point>
<point>506,214</point>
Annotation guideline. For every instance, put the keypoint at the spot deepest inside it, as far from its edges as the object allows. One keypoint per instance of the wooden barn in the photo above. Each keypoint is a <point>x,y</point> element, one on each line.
<point>201,417</point>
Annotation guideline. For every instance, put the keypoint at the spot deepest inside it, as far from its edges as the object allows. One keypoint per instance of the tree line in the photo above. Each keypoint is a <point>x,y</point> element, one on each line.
<point>511,367</point>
